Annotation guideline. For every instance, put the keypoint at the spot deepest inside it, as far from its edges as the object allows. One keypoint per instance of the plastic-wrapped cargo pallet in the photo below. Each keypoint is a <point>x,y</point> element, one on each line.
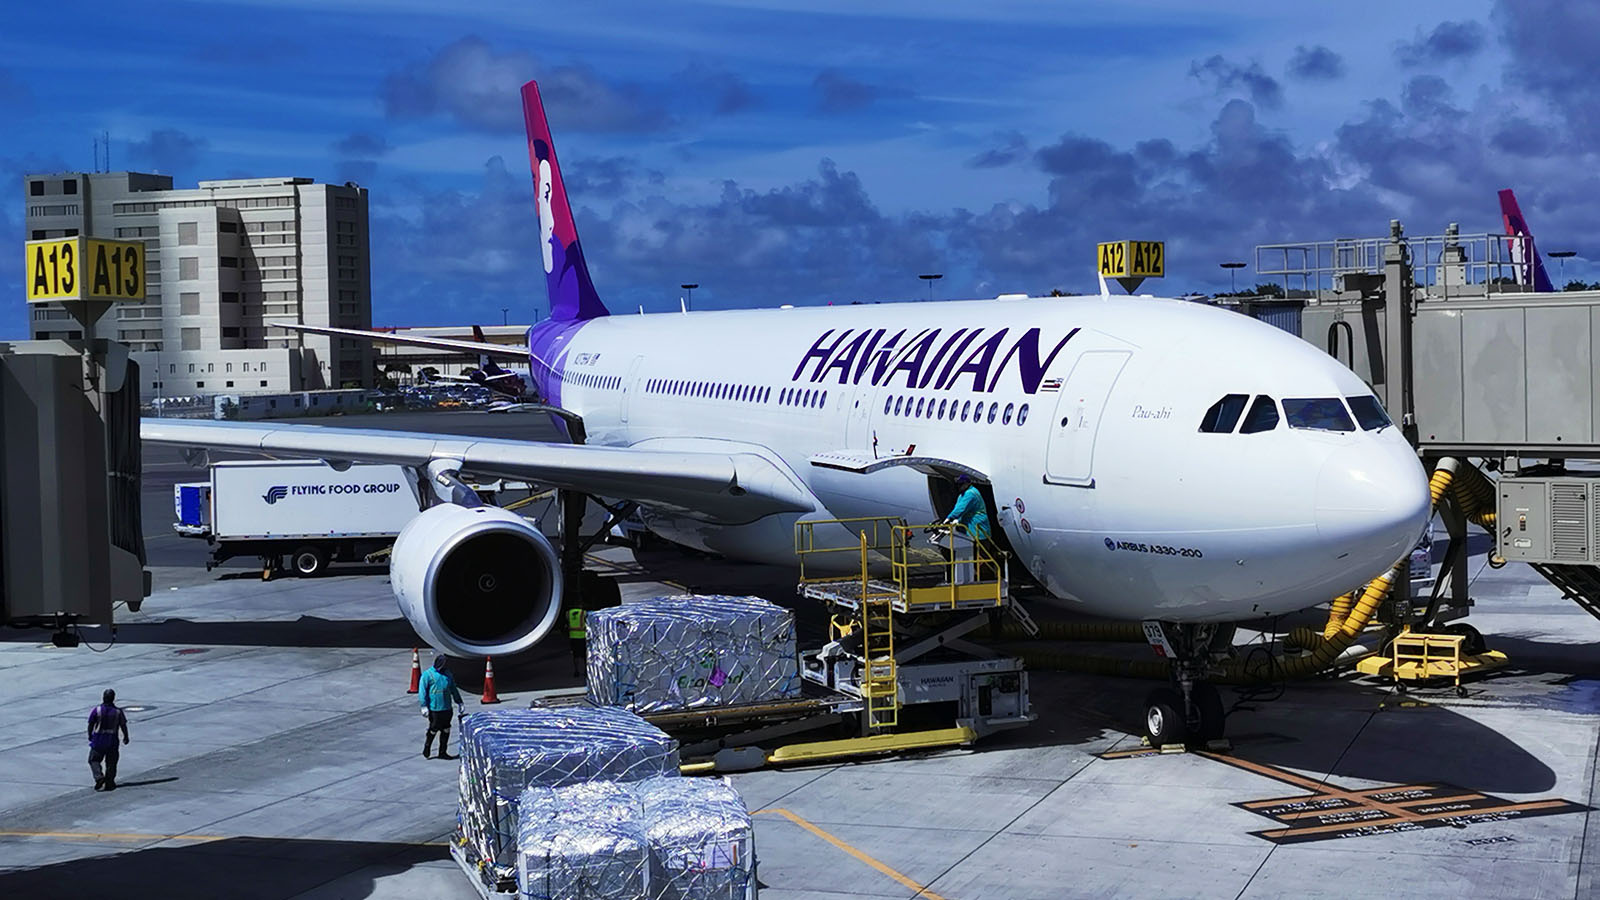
<point>582,843</point>
<point>691,652</point>
<point>503,752</point>
<point>702,846</point>
<point>655,839</point>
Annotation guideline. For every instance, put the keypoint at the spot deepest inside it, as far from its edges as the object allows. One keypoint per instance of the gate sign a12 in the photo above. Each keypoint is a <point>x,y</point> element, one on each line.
<point>1131,262</point>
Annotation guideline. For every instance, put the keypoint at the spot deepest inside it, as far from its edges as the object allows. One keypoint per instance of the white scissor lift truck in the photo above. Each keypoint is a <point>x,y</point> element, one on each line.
<point>305,511</point>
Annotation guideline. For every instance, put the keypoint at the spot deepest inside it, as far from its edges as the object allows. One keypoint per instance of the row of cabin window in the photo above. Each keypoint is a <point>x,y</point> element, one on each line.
<point>609,382</point>
<point>1304,413</point>
<point>952,410</point>
<point>746,393</point>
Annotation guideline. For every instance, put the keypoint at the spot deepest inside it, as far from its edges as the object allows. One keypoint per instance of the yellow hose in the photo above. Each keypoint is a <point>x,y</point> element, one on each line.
<point>1475,494</point>
<point>1337,613</point>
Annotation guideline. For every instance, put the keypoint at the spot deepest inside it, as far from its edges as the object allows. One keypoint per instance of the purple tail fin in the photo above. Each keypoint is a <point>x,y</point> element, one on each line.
<point>1523,252</point>
<point>572,294</point>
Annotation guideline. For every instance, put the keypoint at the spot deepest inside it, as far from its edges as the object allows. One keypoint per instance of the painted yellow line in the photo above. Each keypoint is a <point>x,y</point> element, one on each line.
<point>921,890</point>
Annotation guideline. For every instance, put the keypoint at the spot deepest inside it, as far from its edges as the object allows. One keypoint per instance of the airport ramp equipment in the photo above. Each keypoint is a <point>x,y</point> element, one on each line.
<point>658,838</point>
<point>692,652</point>
<point>504,752</point>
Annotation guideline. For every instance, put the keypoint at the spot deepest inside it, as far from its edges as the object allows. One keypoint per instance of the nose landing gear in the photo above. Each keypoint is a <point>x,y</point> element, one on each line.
<point>1190,711</point>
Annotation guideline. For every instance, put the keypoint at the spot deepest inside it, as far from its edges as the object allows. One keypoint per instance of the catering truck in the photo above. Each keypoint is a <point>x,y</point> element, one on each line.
<point>304,511</point>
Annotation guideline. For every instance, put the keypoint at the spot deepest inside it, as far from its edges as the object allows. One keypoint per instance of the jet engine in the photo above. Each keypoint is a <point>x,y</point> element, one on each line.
<point>476,581</point>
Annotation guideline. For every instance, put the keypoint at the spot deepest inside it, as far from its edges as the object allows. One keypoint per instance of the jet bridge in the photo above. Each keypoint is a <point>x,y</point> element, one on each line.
<point>1472,364</point>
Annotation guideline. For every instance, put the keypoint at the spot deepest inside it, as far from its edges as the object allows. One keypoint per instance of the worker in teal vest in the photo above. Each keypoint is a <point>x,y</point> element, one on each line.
<point>577,640</point>
<point>970,512</point>
<point>438,695</point>
<point>970,516</point>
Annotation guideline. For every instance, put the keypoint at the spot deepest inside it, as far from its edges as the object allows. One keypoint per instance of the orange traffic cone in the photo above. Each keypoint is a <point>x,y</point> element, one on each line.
<point>416,672</point>
<point>489,696</point>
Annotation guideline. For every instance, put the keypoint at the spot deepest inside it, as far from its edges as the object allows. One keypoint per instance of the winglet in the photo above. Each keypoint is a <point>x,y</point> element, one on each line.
<point>572,294</point>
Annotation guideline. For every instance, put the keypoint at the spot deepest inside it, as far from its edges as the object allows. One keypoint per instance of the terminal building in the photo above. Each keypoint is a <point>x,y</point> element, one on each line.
<point>225,259</point>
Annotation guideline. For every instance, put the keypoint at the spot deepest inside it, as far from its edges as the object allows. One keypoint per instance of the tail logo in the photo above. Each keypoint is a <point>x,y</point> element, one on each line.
<point>275,493</point>
<point>547,219</point>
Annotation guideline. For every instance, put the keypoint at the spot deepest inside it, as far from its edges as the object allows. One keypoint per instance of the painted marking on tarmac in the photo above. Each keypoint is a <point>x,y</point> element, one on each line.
<point>634,571</point>
<point>1329,811</point>
<point>921,890</point>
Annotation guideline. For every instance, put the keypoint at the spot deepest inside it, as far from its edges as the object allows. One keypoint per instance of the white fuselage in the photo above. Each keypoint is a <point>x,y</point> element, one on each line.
<point>1109,492</point>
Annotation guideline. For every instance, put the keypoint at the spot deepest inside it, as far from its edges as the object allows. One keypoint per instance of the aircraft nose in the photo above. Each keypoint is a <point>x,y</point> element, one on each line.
<point>1372,501</point>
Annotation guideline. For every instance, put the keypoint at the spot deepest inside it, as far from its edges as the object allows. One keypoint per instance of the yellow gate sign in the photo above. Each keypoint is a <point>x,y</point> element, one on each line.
<point>83,268</point>
<point>1132,259</point>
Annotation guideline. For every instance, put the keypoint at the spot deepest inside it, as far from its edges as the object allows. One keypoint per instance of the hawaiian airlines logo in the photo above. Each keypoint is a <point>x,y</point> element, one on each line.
<point>547,218</point>
<point>974,358</point>
<point>275,493</point>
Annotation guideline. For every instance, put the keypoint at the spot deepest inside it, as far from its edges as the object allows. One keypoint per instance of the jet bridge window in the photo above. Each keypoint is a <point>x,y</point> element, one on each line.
<point>1318,414</point>
<point>1263,416</point>
<point>1369,412</point>
<point>1224,414</point>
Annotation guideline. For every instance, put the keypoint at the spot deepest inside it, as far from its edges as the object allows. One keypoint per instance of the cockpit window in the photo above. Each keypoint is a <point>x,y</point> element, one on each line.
<point>1369,412</point>
<point>1224,414</point>
<point>1263,416</point>
<point>1318,414</point>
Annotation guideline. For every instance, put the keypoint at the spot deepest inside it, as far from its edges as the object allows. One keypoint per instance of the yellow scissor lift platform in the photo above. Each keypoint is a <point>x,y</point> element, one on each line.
<point>899,609</point>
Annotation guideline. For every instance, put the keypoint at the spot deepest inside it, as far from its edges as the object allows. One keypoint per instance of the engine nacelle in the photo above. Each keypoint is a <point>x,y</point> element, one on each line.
<point>476,581</point>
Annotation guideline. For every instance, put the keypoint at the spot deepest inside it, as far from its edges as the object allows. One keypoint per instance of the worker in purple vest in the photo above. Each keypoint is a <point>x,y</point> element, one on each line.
<point>105,721</point>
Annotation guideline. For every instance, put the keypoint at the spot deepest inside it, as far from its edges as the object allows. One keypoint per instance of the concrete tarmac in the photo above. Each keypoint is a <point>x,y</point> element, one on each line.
<point>275,755</point>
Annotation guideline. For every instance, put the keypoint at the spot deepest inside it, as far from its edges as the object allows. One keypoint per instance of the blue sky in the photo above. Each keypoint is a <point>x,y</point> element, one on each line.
<point>789,152</point>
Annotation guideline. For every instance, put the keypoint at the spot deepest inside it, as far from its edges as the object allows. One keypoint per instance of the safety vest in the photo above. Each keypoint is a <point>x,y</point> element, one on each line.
<point>575,625</point>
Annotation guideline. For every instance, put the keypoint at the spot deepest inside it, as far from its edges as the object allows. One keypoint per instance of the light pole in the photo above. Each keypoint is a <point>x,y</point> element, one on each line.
<point>930,279</point>
<point>1563,255</point>
<point>1233,279</point>
<point>688,300</point>
<point>503,311</point>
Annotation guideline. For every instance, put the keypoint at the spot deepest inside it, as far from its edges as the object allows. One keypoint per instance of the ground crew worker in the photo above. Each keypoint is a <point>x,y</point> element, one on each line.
<point>105,721</point>
<point>435,692</point>
<point>578,640</point>
<point>971,515</point>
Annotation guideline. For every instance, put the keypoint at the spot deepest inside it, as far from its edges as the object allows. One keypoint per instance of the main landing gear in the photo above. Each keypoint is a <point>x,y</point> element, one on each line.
<point>1190,710</point>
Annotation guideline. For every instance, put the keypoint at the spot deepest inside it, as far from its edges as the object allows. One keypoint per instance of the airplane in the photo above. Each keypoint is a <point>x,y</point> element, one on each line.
<point>503,382</point>
<point>1530,265</point>
<point>1146,458</point>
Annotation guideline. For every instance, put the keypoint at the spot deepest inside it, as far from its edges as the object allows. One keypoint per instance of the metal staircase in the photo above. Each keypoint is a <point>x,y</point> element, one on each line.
<point>1580,584</point>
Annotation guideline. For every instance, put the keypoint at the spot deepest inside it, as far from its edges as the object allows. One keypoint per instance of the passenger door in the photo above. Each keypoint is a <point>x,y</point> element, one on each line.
<point>630,387</point>
<point>1069,459</point>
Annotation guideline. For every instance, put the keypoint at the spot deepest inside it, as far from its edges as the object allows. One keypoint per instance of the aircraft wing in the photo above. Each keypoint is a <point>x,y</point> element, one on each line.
<point>731,488</point>
<point>473,348</point>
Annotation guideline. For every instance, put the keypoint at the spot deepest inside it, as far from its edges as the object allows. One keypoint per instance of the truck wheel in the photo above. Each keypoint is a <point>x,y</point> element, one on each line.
<point>309,561</point>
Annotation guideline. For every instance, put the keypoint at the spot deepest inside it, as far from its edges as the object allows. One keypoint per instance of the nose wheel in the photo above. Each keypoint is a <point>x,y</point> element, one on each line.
<point>1190,711</point>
